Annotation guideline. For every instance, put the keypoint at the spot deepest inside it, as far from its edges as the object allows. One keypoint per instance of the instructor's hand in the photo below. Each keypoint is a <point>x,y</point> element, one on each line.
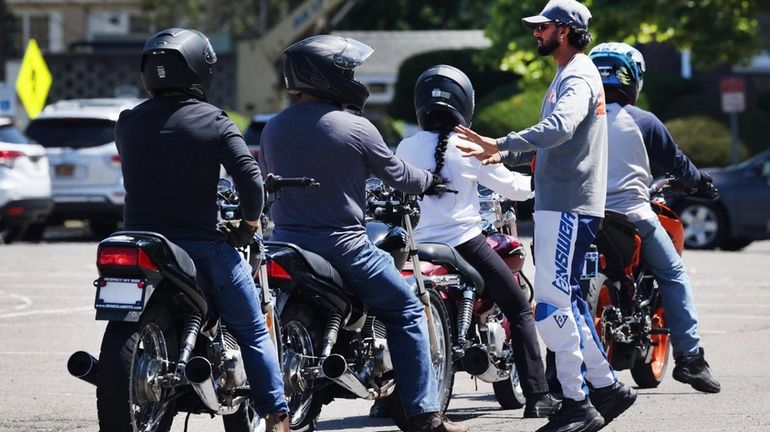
<point>482,148</point>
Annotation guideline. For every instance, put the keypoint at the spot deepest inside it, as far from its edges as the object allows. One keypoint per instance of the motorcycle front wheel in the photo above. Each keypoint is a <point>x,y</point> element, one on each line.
<point>443,364</point>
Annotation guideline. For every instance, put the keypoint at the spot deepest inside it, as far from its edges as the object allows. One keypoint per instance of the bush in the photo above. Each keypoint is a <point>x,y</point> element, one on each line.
<point>484,79</point>
<point>704,140</point>
<point>505,110</point>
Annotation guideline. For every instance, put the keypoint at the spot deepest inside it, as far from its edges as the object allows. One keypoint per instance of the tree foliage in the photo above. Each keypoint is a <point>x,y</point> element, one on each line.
<point>416,15</point>
<point>715,31</point>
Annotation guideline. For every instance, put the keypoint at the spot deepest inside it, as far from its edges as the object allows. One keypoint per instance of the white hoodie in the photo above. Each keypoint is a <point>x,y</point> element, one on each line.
<point>453,219</point>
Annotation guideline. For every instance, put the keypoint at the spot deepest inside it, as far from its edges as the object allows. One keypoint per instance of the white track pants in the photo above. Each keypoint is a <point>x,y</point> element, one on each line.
<point>561,315</point>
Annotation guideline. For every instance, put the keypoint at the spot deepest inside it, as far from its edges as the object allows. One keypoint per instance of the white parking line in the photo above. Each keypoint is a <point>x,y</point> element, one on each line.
<point>47,312</point>
<point>25,301</point>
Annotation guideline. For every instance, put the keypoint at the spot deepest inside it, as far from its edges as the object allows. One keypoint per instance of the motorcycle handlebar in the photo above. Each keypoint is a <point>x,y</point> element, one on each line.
<point>274,183</point>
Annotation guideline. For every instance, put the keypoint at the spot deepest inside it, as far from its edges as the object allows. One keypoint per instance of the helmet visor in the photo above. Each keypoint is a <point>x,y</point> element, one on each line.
<point>352,55</point>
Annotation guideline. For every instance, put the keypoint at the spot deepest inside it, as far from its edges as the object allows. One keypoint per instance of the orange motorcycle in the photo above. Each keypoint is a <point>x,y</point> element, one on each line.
<point>623,296</point>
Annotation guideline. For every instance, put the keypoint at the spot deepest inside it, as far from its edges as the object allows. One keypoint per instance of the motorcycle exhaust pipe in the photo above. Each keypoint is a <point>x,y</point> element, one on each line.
<point>84,366</point>
<point>335,368</point>
<point>478,363</point>
<point>198,373</point>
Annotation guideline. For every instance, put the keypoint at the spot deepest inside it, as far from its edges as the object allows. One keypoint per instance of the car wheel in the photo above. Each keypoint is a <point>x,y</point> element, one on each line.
<point>704,224</point>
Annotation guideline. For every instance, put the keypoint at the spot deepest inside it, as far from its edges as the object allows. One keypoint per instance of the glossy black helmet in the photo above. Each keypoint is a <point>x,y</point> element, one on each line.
<point>621,67</point>
<point>443,97</point>
<point>323,66</point>
<point>178,59</point>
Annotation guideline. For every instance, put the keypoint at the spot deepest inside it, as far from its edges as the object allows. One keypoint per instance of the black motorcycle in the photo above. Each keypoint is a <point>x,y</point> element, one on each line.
<point>165,350</point>
<point>333,347</point>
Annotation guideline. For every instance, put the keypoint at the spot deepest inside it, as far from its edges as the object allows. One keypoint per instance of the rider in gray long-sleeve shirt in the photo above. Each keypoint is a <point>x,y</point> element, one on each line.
<point>317,138</point>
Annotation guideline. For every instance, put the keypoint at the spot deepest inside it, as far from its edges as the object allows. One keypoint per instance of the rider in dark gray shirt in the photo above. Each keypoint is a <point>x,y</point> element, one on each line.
<point>316,138</point>
<point>340,150</point>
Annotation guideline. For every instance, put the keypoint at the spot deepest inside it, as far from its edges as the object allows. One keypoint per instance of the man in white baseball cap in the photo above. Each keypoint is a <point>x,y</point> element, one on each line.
<point>571,182</point>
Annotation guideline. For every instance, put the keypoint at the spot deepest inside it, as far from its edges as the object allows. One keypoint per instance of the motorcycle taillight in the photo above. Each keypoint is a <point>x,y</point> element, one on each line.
<point>274,270</point>
<point>125,257</point>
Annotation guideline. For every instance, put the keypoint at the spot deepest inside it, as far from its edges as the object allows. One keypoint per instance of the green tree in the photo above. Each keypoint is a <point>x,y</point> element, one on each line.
<point>416,15</point>
<point>715,31</point>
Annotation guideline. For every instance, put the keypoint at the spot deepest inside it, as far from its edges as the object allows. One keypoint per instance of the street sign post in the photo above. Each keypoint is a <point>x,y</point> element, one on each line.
<point>733,102</point>
<point>34,80</point>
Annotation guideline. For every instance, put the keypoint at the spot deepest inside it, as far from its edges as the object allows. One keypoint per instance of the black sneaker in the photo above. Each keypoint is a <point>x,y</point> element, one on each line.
<point>694,370</point>
<point>433,422</point>
<point>574,416</point>
<point>380,409</point>
<point>541,405</point>
<point>612,401</point>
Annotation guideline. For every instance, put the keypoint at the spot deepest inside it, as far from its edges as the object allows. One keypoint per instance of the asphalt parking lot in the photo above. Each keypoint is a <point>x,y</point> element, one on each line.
<point>46,313</point>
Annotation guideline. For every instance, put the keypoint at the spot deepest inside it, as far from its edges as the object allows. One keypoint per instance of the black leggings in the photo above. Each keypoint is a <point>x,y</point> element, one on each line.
<point>502,288</point>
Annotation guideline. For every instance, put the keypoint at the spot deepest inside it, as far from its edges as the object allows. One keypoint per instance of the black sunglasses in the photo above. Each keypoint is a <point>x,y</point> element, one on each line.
<point>542,26</point>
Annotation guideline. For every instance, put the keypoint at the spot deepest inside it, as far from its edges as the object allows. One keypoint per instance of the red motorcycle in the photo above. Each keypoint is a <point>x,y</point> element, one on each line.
<point>623,295</point>
<point>481,343</point>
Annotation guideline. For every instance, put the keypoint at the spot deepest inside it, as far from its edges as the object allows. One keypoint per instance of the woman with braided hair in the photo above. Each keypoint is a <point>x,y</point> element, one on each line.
<point>443,98</point>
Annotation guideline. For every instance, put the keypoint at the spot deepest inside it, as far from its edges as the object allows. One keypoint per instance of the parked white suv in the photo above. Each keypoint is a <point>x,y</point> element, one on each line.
<point>25,186</point>
<point>79,137</point>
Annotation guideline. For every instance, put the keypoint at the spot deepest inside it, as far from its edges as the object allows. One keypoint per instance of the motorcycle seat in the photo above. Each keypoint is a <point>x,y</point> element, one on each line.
<point>444,254</point>
<point>318,264</point>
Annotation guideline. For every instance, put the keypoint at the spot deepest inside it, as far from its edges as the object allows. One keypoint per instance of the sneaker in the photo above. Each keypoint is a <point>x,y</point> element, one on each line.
<point>612,401</point>
<point>277,422</point>
<point>574,416</point>
<point>541,405</point>
<point>380,409</point>
<point>694,370</point>
<point>430,422</point>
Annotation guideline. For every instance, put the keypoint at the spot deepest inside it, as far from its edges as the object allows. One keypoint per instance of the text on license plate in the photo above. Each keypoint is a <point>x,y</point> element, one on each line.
<point>117,293</point>
<point>64,170</point>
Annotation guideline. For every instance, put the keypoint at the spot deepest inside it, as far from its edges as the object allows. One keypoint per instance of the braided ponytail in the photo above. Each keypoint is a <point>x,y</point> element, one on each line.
<point>440,154</point>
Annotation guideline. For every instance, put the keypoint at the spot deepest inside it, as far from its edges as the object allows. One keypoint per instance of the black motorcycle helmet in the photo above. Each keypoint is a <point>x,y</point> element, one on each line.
<point>323,67</point>
<point>178,60</point>
<point>443,92</point>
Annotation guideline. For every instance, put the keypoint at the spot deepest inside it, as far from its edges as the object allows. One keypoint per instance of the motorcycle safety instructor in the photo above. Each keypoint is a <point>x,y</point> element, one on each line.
<point>316,137</point>
<point>571,181</point>
<point>171,147</point>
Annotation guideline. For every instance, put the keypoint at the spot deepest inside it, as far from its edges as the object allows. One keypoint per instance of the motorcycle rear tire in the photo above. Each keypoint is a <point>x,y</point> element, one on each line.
<point>650,375</point>
<point>302,316</point>
<point>509,393</point>
<point>112,397</point>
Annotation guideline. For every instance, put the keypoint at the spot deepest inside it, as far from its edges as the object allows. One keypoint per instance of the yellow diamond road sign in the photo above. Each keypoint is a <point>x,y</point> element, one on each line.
<point>34,80</point>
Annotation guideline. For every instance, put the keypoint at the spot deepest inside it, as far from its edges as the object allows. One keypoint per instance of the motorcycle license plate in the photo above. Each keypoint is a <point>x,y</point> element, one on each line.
<point>590,265</point>
<point>120,294</point>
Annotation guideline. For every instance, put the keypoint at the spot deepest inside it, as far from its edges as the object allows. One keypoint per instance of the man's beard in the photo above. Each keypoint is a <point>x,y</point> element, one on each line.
<point>549,45</point>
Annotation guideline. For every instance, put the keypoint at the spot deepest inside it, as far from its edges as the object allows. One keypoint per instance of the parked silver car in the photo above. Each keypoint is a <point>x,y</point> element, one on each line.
<point>79,137</point>
<point>25,186</point>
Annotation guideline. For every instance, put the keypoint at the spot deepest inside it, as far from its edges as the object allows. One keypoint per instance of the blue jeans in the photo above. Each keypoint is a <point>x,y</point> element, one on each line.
<point>666,266</point>
<point>238,302</point>
<point>376,281</point>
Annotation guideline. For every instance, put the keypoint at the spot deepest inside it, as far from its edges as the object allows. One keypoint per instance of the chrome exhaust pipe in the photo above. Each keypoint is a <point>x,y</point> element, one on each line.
<point>335,368</point>
<point>84,366</point>
<point>478,363</point>
<point>198,373</point>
